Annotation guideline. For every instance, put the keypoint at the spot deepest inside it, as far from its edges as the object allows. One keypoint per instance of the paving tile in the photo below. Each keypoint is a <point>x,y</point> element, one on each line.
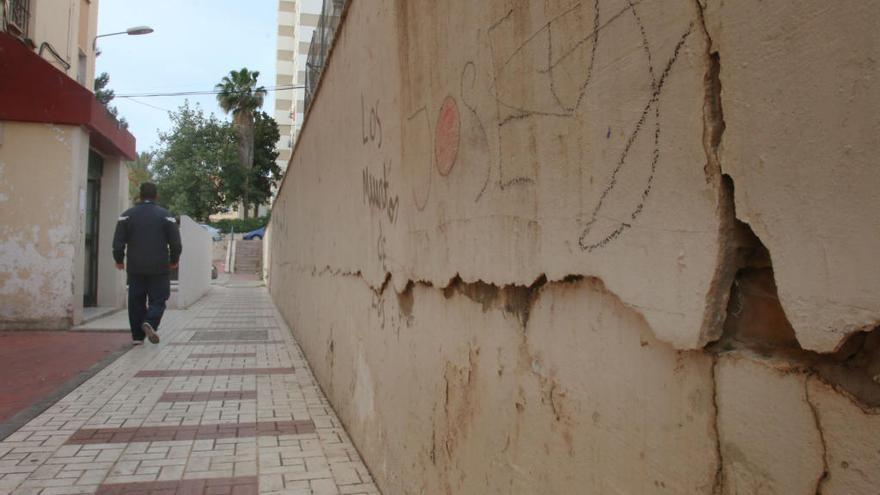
<point>212,372</point>
<point>207,396</point>
<point>246,485</point>
<point>200,432</point>
<point>197,355</point>
<point>234,417</point>
<point>205,341</point>
<point>223,335</point>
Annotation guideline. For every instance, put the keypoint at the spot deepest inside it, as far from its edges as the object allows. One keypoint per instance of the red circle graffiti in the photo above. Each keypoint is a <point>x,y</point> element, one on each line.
<point>447,135</point>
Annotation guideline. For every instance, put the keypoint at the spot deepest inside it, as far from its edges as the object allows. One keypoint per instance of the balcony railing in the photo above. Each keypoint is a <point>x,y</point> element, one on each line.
<point>322,40</point>
<point>19,15</point>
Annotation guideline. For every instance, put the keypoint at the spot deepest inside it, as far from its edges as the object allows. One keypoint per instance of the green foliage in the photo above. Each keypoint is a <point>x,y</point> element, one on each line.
<point>264,174</point>
<point>239,94</point>
<point>105,95</point>
<point>138,172</point>
<point>204,164</point>
<point>189,164</point>
<point>241,225</point>
<point>102,93</point>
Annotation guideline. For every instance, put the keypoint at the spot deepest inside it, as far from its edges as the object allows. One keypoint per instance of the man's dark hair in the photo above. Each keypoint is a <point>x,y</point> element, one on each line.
<point>148,191</point>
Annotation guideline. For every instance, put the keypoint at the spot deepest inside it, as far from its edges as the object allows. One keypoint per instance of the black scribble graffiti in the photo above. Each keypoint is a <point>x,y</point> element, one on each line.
<point>469,72</point>
<point>376,193</point>
<point>653,103</point>
<point>510,107</point>
<point>508,112</point>
<point>371,126</point>
<point>555,60</point>
<point>422,113</point>
<point>380,248</point>
<point>589,69</point>
<point>645,44</point>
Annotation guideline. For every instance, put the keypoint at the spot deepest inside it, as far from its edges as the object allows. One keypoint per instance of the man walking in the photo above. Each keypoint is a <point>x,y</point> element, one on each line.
<point>149,236</point>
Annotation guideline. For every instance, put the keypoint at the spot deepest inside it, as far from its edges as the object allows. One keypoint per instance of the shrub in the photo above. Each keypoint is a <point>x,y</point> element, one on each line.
<point>240,225</point>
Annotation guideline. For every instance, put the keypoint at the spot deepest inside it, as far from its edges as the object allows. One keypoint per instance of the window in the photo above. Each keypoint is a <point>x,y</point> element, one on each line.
<point>19,16</point>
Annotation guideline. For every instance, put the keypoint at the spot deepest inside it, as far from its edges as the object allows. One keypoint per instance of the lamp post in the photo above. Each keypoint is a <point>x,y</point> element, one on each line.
<point>132,31</point>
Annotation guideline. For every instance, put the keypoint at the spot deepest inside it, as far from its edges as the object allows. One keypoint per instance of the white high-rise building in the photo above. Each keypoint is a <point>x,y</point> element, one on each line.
<point>297,20</point>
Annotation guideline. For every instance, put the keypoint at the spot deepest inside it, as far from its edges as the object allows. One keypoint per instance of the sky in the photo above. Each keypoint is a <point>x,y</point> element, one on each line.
<point>195,44</point>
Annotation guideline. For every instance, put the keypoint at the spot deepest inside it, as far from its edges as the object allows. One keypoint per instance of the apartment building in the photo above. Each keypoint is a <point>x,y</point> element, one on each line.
<point>63,178</point>
<point>297,20</point>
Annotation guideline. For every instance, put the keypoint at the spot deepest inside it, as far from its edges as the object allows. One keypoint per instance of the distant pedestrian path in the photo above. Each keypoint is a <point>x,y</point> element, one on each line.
<point>226,404</point>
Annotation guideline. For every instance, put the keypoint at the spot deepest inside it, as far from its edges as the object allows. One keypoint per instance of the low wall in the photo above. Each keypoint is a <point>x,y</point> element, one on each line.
<point>601,247</point>
<point>194,274</point>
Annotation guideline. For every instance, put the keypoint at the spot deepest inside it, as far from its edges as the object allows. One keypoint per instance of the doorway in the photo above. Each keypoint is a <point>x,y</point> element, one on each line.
<point>93,215</point>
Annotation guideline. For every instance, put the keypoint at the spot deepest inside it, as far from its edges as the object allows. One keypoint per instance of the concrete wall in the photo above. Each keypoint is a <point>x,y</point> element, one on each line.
<point>194,275</point>
<point>41,224</point>
<point>602,247</point>
<point>267,253</point>
<point>114,201</point>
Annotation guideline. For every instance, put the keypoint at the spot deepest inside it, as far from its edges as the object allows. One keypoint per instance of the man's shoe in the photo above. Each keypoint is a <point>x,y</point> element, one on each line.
<point>151,333</point>
<point>137,342</point>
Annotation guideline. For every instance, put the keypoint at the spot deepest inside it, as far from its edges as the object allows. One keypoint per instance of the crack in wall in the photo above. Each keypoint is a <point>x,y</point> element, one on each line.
<point>825,470</point>
<point>741,312</point>
<point>718,486</point>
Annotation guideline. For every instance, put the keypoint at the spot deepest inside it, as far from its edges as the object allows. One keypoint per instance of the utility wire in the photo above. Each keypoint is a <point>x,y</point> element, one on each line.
<point>147,104</point>
<point>196,93</point>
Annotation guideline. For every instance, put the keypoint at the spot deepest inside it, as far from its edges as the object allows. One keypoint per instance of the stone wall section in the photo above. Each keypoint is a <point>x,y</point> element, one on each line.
<point>593,247</point>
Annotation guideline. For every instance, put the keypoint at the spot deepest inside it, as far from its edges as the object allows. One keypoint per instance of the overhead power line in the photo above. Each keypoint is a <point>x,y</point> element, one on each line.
<point>197,93</point>
<point>147,104</point>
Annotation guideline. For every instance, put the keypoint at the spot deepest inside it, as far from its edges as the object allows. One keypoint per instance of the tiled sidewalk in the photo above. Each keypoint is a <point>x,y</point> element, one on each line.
<point>226,404</point>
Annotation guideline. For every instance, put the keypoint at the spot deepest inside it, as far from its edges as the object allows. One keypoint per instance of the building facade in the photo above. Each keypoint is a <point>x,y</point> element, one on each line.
<point>63,178</point>
<point>297,20</point>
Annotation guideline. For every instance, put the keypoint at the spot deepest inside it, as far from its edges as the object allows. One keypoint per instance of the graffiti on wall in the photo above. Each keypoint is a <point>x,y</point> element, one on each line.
<point>371,124</point>
<point>376,193</point>
<point>558,62</point>
<point>448,133</point>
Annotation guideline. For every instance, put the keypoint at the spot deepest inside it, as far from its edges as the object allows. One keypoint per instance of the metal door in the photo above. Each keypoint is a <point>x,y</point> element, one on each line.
<point>93,210</point>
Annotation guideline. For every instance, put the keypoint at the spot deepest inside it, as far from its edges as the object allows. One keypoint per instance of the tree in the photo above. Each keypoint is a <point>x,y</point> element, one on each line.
<point>265,173</point>
<point>189,162</point>
<point>102,94</point>
<point>105,95</point>
<point>240,95</point>
<point>138,172</point>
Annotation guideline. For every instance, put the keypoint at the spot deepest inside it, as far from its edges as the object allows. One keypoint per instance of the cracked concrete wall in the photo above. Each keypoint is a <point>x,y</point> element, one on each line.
<point>41,254</point>
<point>800,85</point>
<point>526,246</point>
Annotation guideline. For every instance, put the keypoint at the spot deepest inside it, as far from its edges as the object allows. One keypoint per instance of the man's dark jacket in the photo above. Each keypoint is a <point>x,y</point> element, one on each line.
<point>153,239</point>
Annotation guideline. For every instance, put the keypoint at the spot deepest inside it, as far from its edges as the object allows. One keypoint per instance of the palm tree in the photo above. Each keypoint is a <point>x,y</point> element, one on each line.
<point>238,93</point>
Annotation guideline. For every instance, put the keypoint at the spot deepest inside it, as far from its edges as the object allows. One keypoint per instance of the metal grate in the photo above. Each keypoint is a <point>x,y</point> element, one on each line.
<point>322,40</point>
<point>19,15</point>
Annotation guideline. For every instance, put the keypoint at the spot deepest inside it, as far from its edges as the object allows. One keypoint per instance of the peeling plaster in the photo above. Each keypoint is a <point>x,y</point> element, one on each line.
<point>36,270</point>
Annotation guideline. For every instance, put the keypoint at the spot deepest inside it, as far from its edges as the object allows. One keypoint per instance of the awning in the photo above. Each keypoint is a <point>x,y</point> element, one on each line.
<point>33,90</point>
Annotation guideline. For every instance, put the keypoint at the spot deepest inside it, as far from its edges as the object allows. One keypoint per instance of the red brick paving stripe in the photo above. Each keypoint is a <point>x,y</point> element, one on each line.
<point>191,432</point>
<point>227,342</point>
<point>230,335</point>
<point>206,396</point>
<point>222,354</point>
<point>213,372</point>
<point>245,485</point>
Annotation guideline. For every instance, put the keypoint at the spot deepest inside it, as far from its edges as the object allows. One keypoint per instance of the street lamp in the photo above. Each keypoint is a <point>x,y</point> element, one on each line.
<point>132,31</point>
